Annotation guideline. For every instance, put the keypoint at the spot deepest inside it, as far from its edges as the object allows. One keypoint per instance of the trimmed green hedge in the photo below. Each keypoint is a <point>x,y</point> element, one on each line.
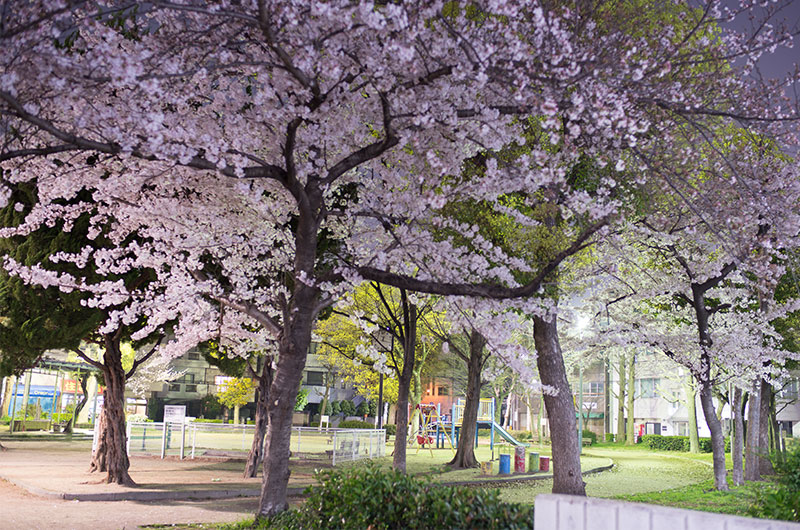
<point>372,498</point>
<point>678,443</point>
<point>355,424</point>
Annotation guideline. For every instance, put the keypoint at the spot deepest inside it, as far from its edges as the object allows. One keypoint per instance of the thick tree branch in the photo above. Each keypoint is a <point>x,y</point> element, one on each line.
<point>88,359</point>
<point>138,362</point>
<point>483,290</point>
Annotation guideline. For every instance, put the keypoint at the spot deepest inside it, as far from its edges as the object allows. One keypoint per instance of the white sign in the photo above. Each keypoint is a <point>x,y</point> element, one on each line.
<point>174,413</point>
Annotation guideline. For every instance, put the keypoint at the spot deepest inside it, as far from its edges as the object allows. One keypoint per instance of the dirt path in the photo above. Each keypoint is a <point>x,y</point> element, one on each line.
<point>22,510</point>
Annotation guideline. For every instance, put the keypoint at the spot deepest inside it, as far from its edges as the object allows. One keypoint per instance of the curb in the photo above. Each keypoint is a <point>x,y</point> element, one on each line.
<point>519,480</point>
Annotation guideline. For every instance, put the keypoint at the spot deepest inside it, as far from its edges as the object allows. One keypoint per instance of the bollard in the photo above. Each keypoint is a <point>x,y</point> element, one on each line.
<point>519,459</point>
<point>533,462</point>
<point>505,465</point>
<point>544,463</point>
<point>486,468</point>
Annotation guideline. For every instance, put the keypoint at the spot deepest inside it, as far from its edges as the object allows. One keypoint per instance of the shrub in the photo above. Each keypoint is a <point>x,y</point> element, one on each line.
<point>391,429</point>
<point>201,420</point>
<point>355,424</point>
<point>783,501</point>
<point>373,407</point>
<point>347,407</point>
<point>5,420</point>
<point>678,443</point>
<point>609,437</point>
<point>372,498</point>
<point>362,409</point>
<point>335,408</point>
<point>62,417</point>
<point>590,434</point>
<point>788,469</point>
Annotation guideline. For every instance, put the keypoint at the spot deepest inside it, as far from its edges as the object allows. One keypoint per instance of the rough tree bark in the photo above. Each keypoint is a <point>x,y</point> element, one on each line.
<point>465,452</point>
<point>630,438</point>
<point>111,454</point>
<point>295,338</point>
<point>621,400</point>
<point>256,455</point>
<point>717,439</point>
<point>752,457</point>
<point>691,409</point>
<point>765,419</point>
<point>738,437</point>
<point>560,409</point>
<point>409,341</point>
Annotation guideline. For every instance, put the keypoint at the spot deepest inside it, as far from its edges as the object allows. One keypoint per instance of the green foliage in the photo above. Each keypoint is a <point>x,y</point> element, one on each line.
<point>362,409</point>
<point>589,434</point>
<point>201,420</point>
<point>373,407</point>
<point>377,499</point>
<point>391,429</point>
<point>301,400</point>
<point>210,406</point>
<point>609,437</point>
<point>335,407</point>
<point>356,424</point>
<point>5,420</point>
<point>781,501</point>
<point>521,435</point>
<point>347,407</point>
<point>62,417</point>
<point>236,392</point>
<point>678,443</point>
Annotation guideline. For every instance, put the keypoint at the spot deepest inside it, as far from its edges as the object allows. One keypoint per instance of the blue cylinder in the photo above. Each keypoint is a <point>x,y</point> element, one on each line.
<point>505,465</point>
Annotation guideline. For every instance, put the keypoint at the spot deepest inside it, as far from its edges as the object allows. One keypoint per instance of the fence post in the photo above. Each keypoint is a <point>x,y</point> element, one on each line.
<point>144,436</point>
<point>164,439</point>
<point>354,445</point>
<point>183,438</point>
<point>370,445</point>
<point>194,436</point>
<point>299,435</point>
<point>333,457</point>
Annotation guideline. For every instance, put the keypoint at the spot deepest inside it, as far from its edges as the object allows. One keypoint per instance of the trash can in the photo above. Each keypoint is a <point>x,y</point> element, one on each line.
<point>519,459</point>
<point>505,465</point>
<point>544,463</point>
<point>533,462</point>
<point>486,468</point>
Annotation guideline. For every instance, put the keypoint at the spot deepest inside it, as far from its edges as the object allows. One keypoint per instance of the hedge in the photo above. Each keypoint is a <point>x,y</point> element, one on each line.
<point>678,443</point>
<point>378,499</point>
<point>355,424</point>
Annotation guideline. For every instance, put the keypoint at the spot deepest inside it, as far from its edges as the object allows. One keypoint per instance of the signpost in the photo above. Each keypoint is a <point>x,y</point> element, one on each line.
<point>174,413</point>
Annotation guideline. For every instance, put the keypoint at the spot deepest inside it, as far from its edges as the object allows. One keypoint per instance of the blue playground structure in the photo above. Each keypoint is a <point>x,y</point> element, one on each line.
<point>443,430</point>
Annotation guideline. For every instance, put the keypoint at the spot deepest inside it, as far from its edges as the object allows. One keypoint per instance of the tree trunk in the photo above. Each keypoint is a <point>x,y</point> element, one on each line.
<point>691,409</point>
<point>293,349</point>
<point>256,454</point>
<point>404,383</point>
<point>717,440</point>
<point>507,417</point>
<point>752,456</point>
<point>83,378</point>
<point>465,452</point>
<point>621,401</point>
<point>738,437</point>
<point>560,409</point>
<point>765,418</point>
<point>111,455</point>
<point>630,438</point>
<point>9,383</point>
<point>540,422</point>
<point>329,380</point>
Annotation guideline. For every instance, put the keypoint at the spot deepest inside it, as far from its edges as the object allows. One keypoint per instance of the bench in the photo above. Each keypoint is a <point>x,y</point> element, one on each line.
<point>586,441</point>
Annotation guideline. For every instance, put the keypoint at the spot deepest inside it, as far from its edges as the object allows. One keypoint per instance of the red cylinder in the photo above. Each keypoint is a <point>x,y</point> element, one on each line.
<point>544,463</point>
<point>519,460</point>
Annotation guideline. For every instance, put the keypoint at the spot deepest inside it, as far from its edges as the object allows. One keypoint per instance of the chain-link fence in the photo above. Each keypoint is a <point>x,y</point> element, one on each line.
<point>188,440</point>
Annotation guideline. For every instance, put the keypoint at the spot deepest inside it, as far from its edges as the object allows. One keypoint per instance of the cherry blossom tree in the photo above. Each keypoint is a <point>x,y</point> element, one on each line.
<point>318,143</point>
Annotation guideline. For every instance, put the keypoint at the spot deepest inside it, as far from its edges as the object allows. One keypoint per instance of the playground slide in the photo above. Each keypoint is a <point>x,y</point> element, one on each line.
<point>505,434</point>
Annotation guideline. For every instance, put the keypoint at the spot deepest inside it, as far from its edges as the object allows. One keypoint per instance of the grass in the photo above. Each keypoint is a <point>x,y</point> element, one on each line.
<point>702,496</point>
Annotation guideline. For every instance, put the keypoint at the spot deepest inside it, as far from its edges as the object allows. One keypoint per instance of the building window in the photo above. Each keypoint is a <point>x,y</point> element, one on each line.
<point>682,428</point>
<point>191,388</point>
<point>187,378</point>
<point>314,378</point>
<point>594,387</point>
<point>174,387</point>
<point>647,387</point>
<point>789,390</point>
<point>193,356</point>
<point>443,391</point>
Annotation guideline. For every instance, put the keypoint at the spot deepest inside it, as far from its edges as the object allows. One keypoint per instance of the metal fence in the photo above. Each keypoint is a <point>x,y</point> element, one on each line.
<point>188,440</point>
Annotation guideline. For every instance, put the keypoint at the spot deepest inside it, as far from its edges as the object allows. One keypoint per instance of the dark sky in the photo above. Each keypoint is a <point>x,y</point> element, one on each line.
<point>783,60</point>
